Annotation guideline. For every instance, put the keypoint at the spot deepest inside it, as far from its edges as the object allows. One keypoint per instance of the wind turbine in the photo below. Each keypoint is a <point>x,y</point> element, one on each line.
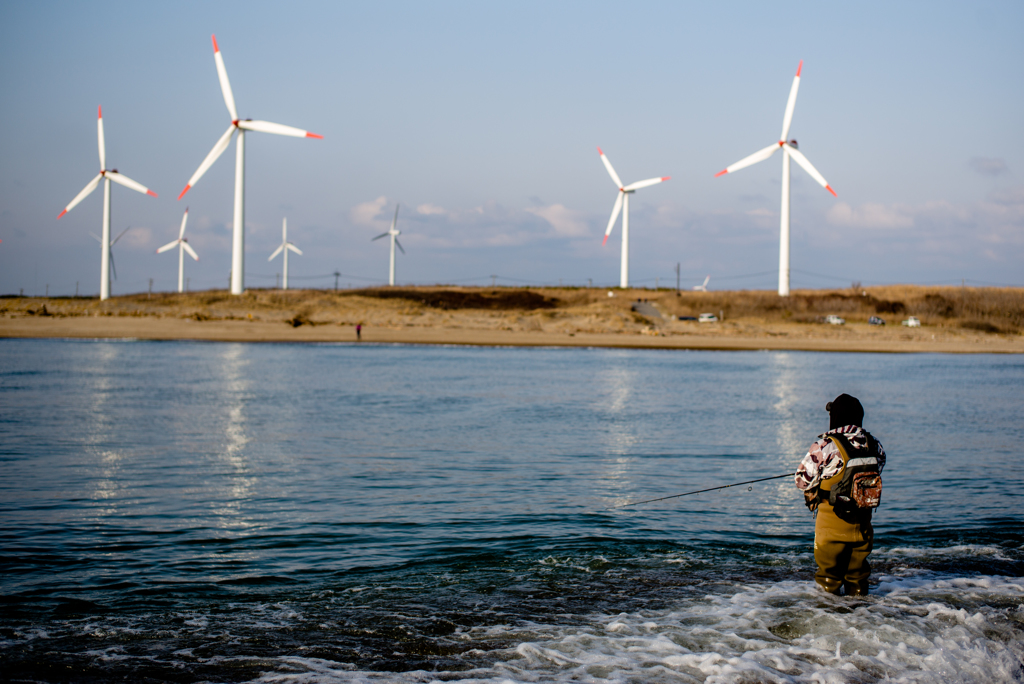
<point>106,175</point>
<point>182,244</point>
<point>702,287</point>
<point>285,246</point>
<point>789,149</point>
<point>238,126</point>
<point>97,238</point>
<point>394,233</point>
<point>622,204</point>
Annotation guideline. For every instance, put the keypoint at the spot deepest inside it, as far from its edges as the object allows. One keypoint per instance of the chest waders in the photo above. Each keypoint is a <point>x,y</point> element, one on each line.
<point>842,539</point>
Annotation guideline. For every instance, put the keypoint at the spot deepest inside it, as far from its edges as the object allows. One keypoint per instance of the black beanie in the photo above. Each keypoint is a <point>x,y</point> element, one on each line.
<point>844,410</point>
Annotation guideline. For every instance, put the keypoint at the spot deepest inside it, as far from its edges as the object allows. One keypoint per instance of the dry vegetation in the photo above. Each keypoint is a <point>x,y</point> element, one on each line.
<point>973,311</point>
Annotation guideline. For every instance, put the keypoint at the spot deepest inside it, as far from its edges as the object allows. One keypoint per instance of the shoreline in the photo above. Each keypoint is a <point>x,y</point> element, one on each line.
<point>850,340</point>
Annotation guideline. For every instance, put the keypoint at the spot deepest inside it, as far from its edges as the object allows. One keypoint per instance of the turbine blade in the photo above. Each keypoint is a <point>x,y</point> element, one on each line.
<point>188,248</point>
<point>645,183</point>
<point>399,244</point>
<point>276,129</point>
<point>381,235</point>
<point>615,215</point>
<point>758,156</point>
<point>102,140</point>
<point>114,241</point>
<point>225,85</point>
<point>276,252</point>
<point>184,219</point>
<point>129,183</point>
<point>113,267</point>
<point>394,221</point>
<point>791,103</point>
<point>218,149</point>
<point>169,245</point>
<point>611,171</point>
<point>800,159</point>
<point>86,191</point>
<point>95,236</point>
<point>294,249</point>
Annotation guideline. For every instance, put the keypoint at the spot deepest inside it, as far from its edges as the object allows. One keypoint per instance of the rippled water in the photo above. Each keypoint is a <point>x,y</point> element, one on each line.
<point>318,513</point>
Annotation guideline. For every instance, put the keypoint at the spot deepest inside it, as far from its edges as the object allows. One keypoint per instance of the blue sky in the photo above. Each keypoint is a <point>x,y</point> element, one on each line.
<point>483,121</point>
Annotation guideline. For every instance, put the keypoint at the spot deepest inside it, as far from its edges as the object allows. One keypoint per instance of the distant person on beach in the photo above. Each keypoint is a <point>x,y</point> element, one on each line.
<point>359,331</point>
<point>841,480</point>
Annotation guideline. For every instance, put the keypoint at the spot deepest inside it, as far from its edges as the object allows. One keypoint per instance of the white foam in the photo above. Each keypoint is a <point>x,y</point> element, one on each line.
<point>919,630</point>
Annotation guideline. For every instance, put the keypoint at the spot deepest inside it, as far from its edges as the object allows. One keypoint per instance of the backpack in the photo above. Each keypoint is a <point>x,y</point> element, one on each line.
<point>858,484</point>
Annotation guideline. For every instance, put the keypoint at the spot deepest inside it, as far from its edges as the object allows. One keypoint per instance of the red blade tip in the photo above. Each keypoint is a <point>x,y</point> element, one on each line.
<point>184,191</point>
<point>605,241</point>
<point>314,135</point>
<point>62,213</point>
<point>150,192</point>
<point>665,178</point>
<point>100,112</point>
<point>600,152</point>
<point>799,67</point>
<point>215,48</point>
<point>722,173</point>
<point>829,188</point>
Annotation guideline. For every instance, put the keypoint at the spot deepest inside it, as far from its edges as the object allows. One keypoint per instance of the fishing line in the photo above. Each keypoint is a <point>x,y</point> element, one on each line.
<point>700,491</point>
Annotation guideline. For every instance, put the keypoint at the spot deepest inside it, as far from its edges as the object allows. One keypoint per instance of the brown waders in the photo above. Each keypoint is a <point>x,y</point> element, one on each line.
<point>841,548</point>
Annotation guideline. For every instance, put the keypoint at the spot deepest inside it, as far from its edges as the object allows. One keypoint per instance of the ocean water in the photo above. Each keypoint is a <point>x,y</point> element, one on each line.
<point>193,512</point>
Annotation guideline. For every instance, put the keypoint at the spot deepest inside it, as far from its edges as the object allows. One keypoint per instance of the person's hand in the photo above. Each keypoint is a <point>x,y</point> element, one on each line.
<point>811,499</point>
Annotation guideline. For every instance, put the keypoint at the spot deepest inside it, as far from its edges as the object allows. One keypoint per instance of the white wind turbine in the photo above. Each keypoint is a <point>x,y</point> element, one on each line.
<point>238,126</point>
<point>703,287</point>
<point>394,233</point>
<point>285,247</point>
<point>97,238</point>
<point>182,244</point>
<point>105,175</point>
<point>622,204</point>
<point>789,149</point>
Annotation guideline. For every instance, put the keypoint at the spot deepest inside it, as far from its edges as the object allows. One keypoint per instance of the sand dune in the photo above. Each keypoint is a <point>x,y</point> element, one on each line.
<point>953,320</point>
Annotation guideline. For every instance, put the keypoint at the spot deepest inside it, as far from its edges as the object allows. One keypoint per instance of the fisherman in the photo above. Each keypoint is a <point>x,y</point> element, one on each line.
<point>848,460</point>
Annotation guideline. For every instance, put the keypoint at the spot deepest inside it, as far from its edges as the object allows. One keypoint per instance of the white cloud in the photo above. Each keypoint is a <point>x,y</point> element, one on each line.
<point>566,222</point>
<point>366,213</point>
<point>870,216</point>
<point>430,209</point>
<point>137,237</point>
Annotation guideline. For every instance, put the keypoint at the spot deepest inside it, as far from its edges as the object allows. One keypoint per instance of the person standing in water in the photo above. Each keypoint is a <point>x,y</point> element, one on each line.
<point>841,480</point>
<point>359,331</point>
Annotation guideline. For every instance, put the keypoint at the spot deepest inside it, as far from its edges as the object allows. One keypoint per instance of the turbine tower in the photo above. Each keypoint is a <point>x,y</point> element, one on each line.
<point>285,247</point>
<point>394,233</point>
<point>106,175</point>
<point>182,244</point>
<point>97,238</point>
<point>622,204</point>
<point>238,126</point>
<point>789,150</point>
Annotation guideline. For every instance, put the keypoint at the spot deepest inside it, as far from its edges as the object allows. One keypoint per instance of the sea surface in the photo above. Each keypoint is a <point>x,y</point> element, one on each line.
<point>197,512</point>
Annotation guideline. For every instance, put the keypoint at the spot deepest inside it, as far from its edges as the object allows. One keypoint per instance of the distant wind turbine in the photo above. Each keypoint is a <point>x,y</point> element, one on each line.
<point>702,287</point>
<point>113,242</point>
<point>105,175</point>
<point>789,149</point>
<point>394,233</point>
<point>182,244</point>
<point>622,204</point>
<point>285,247</point>
<point>238,126</point>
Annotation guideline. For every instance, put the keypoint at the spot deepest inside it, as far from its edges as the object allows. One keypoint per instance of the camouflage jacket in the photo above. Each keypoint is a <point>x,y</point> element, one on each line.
<point>823,460</point>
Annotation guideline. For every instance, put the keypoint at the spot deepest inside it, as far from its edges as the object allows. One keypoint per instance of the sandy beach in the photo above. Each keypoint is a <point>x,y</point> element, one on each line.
<point>540,317</point>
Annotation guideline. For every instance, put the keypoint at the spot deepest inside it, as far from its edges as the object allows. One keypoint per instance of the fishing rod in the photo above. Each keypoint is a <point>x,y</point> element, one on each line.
<point>700,491</point>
